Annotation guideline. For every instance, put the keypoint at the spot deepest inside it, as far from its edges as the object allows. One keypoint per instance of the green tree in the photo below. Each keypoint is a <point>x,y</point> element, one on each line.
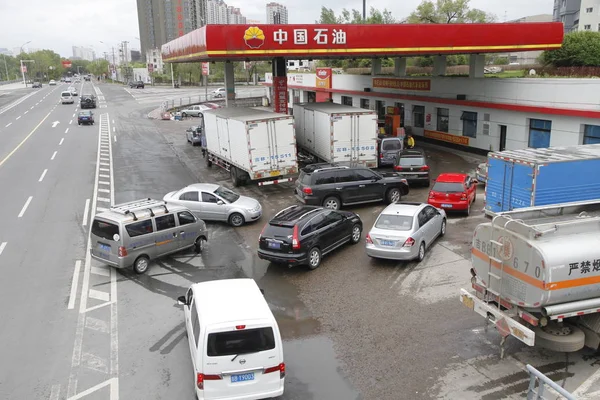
<point>98,67</point>
<point>447,12</point>
<point>579,49</point>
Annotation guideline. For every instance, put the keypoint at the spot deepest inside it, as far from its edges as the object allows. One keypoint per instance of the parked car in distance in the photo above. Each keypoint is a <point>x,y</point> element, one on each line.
<point>404,231</point>
<point>52,82</point>
<point>136,84</point>
<point>87,101</point>
<point>67,80</point>
<point>66,97</point>
<point>36,85</point>
<point>388,148</point>
<point>412,165</point>
<point>136,232</point>
<point>333,186</point>
<point>481,173</point>
<point>453,192</point>
<point>220,92</point>
<point>73,91</point>
<point>212,202</point>
<point>234,341</point>
<point>85,117</point>
<point>302,235</point>
<point>195,111</point>
<point>192,135</point>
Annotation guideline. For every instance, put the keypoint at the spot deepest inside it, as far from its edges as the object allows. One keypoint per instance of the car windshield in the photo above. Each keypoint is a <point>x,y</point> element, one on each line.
<point>66,94</point>
<point>304,178</point>
<point>227,194</point>
<point>85,113</point>
<point>391,145</point>
<point>394,222</point>
<point>448,187</point>
<point>240,342</point>
<point>411,161</point>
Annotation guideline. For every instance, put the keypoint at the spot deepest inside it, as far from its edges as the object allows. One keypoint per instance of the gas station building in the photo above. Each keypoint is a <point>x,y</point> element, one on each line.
<point>473,112</point>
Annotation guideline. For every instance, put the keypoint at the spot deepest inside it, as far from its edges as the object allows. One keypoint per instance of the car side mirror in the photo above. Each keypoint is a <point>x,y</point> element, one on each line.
<point>181,300</point>
<point>220,202</point>
<point>475,181</point>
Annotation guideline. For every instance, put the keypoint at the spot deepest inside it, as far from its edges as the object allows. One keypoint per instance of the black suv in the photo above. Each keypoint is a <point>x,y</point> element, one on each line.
<point>412,165</point>
<point>36,85</point>
<point>333,186</point>
<point>136,84</point>
<point>302,235</point>
<point>87,101</point>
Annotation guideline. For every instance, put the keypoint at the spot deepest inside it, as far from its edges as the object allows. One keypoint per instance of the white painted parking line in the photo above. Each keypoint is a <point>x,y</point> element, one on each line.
<point>2,246</point>
<point>43,175</point>
<point>104,190</point>
<point>99,295</point>
<point>74,284</point>
<point>86,210</point>
<point>104,169</point>
<point>102,270</point>
<point>61,141</point>
<point>104,183</point>
<point>18,117</point>
<point>105,164</point>
<point>104,176</point>
<point>66,130</point>
<point>55,392</point>
<point>53,155</point>
<point>104,199</point>
<point>25,206</point>
<point>9,124</point>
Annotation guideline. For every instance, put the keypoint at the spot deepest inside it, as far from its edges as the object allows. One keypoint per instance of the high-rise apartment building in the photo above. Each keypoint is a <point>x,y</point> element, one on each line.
<point>83,53</point>
<point>161,21</point>
<point>218,12</point>
<point>277,13</point>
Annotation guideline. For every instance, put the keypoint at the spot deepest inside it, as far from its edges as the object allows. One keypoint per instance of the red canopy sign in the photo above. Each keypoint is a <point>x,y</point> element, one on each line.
<point>66,64</point>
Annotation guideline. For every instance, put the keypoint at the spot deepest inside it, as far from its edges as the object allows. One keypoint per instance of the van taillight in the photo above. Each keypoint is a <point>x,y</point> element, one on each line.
<point>380,155</point>
<point>295,239</point>
<point>200,378</point>
<point>122,251</point>
<point>409,242</point>
<point>307,190</point>
<point>280,368</point>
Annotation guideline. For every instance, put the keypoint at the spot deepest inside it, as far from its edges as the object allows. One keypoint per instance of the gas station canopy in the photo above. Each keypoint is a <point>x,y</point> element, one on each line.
<point>261,42</point>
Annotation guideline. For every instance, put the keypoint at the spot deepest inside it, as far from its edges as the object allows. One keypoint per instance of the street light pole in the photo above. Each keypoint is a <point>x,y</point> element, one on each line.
<point>23,72</point>
<point>5,67</point>
<point>364,11</point>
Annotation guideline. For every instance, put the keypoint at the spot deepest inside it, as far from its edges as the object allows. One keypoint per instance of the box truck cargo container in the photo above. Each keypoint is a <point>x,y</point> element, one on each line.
<point>336,133</point>
<point>536,275</point>
<point>252,145</point>
<point>538,177</point>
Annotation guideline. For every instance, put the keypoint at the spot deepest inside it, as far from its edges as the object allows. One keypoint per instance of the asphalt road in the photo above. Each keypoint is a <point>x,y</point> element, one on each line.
<point>353,329</point>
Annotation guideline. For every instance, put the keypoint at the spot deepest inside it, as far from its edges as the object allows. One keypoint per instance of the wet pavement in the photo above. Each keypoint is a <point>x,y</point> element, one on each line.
<point>355,328</point>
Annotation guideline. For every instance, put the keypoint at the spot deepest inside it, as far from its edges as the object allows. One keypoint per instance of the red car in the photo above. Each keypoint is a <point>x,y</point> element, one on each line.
<point>453,192</point>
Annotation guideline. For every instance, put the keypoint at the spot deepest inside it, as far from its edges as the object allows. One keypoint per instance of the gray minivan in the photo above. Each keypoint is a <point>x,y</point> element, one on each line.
<point>133,233</point>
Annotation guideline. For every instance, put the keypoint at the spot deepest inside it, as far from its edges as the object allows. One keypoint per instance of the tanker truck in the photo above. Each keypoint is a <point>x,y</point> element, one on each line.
<point>536,275</point>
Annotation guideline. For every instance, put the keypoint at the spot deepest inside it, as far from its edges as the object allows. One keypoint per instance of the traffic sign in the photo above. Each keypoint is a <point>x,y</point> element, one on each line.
<point>205,68</point>
<point>24,68</point>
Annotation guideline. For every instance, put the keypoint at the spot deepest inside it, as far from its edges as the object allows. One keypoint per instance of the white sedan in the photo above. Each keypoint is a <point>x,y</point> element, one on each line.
<point>220,92</point>
<point>73,91</point>
<point>52,82</point>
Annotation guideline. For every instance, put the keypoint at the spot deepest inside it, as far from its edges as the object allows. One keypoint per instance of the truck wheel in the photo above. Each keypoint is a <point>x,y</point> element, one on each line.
<point>208,162</point>
<point>559,337</point>
<point>235,179</point>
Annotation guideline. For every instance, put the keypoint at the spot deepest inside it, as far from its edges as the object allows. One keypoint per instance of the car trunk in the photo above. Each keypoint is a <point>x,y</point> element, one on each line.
<point>388,239</point>
<point>277,238</point>
<point>445,191</point>
<point>303,181</point>
<point>103,243</point>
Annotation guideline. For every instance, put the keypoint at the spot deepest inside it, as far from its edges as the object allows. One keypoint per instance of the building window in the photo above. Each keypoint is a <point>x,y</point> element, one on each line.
<point>587,27</point>
<point>380,107</point>
<point>443,115</point>
<point>364,103</point>
<point>419,116</point>
<point>347,101</point>
<point>591,134</point>
<point>589,10</point>
<point>469,120</point>
<point>539,133</point>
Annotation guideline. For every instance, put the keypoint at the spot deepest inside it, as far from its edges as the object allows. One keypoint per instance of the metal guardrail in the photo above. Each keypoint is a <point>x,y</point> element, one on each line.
<point>203,98</point>
<point>537,393</point>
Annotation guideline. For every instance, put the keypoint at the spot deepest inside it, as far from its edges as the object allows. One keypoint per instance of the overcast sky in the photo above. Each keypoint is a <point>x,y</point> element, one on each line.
<point>61,24</point>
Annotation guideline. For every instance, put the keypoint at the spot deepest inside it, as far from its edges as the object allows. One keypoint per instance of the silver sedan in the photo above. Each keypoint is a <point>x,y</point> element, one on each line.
<point>404,231</point>
<point>212,202</point>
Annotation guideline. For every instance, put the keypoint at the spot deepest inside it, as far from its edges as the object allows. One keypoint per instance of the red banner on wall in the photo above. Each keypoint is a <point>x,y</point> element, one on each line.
<point>324,77</point>
<point>403,84</point>
<point>280,94</point>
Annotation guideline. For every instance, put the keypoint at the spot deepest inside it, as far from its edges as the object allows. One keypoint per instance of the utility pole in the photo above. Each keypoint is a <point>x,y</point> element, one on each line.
<point>5,67</point>
<point>364,11</point>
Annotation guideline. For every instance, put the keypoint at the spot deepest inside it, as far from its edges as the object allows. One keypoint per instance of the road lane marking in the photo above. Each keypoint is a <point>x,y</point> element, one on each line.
<point>61,141</point>
<point>102,271</point>
<point>53,155</point>
<point>18,117</point>
<point>104,169</point>
<point>74,284</point>
<point>113,128</point>
<point>104,183</point>
<point>55,392</point>
<point>70,122</point>
<point>32,107</point>
<point>86,211</point>
<point>24,140</point>
<point>66,130</point>
<point>104,199</point>
<point>2,246</point>
<point>26,111</point>
<point>104,176</point>
<point>43,175</point>
<point>73,115</point>
<point>99,295</point>
<point>9,124</point>
<point>115,138</point>
<point>114,320</point>
<point>25,206</point>
<point>104,190</point>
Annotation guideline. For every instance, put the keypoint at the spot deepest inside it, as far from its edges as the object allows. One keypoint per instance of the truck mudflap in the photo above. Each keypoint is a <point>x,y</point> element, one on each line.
<point>504,322</point>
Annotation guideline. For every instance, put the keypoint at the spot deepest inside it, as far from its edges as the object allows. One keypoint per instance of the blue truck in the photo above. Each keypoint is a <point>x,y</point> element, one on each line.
<point>538,177</point>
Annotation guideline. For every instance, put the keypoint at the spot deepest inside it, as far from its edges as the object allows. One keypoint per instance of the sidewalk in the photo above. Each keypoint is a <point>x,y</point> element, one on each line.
<point>14,86</point>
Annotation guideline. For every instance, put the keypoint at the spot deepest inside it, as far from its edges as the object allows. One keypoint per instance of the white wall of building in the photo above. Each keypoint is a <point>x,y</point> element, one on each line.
<point>589,15</point>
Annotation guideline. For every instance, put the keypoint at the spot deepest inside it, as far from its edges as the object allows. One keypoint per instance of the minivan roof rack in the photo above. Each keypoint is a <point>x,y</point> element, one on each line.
<point>139,205</point>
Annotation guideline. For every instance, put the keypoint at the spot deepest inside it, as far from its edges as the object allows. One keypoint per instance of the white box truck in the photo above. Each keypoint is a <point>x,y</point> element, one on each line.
<point>336,133</point>
<point>252,145</point>
<point>536,275</point>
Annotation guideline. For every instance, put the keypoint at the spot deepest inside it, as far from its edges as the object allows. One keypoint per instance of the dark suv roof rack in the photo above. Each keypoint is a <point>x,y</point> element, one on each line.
<point>296,217</point>
<point>322,166</point>
<point>139,205</point>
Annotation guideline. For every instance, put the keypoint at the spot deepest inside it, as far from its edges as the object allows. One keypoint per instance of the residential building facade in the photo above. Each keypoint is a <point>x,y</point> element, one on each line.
<point>83,53</point>
<point>589,16</point>
<point>277,14</point>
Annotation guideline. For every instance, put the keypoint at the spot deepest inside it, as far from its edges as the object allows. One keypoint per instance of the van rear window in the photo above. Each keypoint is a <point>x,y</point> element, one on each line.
<point>105,230</point>
<point>240,342</point>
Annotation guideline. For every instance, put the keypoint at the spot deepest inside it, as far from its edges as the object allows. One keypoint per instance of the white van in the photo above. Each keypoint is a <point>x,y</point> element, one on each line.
<point>234,341</point>
<point>66,98</point>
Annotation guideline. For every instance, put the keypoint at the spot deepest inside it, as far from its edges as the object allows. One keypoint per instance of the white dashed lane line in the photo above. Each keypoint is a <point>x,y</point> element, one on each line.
<point>70,122</point>
<point>25,206</point>
<point>53,155</point>
<point>26,111</point>
<point>61,141</point>
<point>9,124</point>
<point>18,117</point>
<point>66,130</point>
<point>2,246</point>
<point>43,175</point>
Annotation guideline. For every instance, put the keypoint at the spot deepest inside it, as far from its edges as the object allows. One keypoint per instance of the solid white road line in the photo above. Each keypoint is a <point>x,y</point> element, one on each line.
<point>43,175</point>
<point>53,155</point>
<point>9,124</point>
<point>114,320</point>
<point>74,284</point>
<point>25,206</point>
<point>86,211</point>
<point>2,246</point>
<point>66,130</point>
<point>24,140</point>
<point>61,141</point>
<point>55,392</point>
<point>18,117</point>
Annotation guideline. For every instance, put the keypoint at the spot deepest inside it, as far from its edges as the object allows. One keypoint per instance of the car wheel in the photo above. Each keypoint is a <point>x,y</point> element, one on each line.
<point>208,162</point>
<point>421,255</point>
<point>331,202</point>
<point>468,210</point>
<point>79,123</point>
<point>140,265</point>
<point>393,195</point>
<point>428,183</point>
<point>199,245</point>
<point>184,114</point>
<point>314,258</point>
<point>443,228</point>
<point>356,234</point>
<point>236,219</point>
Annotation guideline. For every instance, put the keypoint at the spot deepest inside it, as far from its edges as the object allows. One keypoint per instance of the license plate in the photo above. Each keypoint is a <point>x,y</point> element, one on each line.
<point>446,205</point>
<point>467,301</point>
<point>411,176</point>
<point>274,245</point>
<point>275,173</point>
<point>242,377</point>
<point>104,247</point>
<point>387,242</point>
